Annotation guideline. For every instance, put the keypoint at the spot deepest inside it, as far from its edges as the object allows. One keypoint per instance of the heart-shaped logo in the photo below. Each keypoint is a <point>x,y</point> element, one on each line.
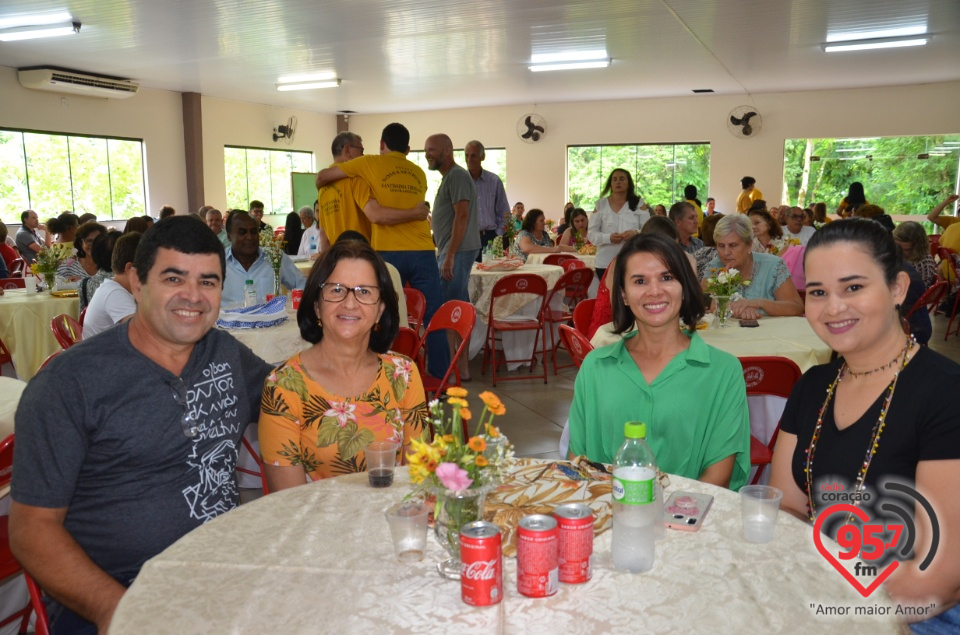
<point>862,515</point>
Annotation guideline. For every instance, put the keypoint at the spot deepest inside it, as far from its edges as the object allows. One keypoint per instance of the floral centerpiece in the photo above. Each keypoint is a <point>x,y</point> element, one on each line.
<point>272,246</point>
<point>459,470</point>
<point>725,285</point>
<point>47,261</point>
<point>779,245</point>
<point>496,247</point>
<point>510,228</point>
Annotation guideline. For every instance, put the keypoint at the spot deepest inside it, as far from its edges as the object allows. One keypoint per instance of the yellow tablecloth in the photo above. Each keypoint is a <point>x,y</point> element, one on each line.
<point>318,559</point>
<point>790,337</point>
<point>25,327</point>
<point>10,391</point>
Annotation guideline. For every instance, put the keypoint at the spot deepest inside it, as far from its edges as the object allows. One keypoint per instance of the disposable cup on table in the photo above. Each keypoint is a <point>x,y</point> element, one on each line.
<point>408,527</point>
<point>381,457</point>
<point>31,284</point>
<point>759,505</point>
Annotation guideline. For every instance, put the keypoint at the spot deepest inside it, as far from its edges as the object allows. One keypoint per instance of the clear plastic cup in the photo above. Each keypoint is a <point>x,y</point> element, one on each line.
<point>759,505</point>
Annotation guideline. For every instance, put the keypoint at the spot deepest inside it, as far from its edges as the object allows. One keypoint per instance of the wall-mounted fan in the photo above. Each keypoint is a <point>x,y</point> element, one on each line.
<point>531,128</point>
<point>286,132</point>
<point>744,122</point>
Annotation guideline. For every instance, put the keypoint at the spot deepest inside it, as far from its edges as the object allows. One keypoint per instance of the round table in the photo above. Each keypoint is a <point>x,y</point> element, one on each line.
<point>273,344</point>
<point>25,326</point>
<point>319,558</point>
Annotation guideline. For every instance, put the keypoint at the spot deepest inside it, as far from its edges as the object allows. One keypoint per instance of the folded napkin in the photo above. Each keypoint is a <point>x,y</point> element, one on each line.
<point>257,316</point>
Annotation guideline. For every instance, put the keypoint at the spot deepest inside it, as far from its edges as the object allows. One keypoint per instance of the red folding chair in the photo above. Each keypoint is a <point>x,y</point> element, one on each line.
<point>525,284</point>
<point>416,308</point>
<point>949,256</point>
<point>582,314</point>
<point>407,343</point>
<point>456,316</point>
<point>18,267</point>
<point>13,283</point>
<point>573,286</point>
<point>930,299</point>
<point>558,259</point>
<point>67,330</point>
<point>8,564</point>
<point>767,376</point>
<point>42,624</point>
<point>48,359</point>
<point>83,314</point>
<point>256,459</point>
<point>5,356</point>
<point>573,263</point>
<point>575,342</point>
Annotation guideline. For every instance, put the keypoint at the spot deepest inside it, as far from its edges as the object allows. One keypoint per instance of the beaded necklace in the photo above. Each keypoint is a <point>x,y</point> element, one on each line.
<point>875,436</point>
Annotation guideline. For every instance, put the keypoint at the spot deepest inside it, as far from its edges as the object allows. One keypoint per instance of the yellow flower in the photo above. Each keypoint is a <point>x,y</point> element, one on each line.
<point>481,461</point>
<point>465,414</point>
<point>457,391</point>
<point>493,431</point>
<point>447,438</point>
<point>477,444</point>
<point>456,401</point>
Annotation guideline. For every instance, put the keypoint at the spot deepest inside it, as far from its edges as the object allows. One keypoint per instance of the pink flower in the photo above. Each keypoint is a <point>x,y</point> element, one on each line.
<point>343,411</point>
<point>401,368</point>
<point>453,478</point>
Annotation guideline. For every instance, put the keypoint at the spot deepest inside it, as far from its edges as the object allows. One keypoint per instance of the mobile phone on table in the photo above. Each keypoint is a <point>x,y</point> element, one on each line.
<point>749,323</point>
<point>686,510</point>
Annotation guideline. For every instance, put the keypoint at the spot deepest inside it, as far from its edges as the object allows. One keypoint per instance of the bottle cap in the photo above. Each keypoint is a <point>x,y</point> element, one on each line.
<point>249,282</point>
<point>635,430</point>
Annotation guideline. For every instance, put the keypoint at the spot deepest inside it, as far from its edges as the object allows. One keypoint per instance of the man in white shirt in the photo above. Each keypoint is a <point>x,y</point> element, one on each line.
<point>795,227</point>
<point>113,302</point>
<point>310,230</point>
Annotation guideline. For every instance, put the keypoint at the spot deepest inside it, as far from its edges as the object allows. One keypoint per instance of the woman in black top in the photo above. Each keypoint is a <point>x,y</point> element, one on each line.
<point>884,411</point>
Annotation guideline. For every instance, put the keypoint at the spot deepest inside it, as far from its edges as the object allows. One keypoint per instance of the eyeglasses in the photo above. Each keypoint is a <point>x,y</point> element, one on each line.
<point>795,217</point>
<point>188,423</point>
<point>360,148</point>
<point>336,292</point>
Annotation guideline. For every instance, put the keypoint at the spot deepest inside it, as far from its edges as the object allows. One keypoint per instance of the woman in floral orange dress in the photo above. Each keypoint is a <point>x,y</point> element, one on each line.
<point>323,406</point>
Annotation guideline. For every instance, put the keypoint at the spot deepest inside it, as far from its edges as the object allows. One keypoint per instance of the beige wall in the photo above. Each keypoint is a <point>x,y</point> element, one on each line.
<point>537,173</point>
<point>151,115</point>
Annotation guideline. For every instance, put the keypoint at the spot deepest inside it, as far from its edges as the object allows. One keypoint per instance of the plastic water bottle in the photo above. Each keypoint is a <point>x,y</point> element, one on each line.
<point>635,505</point>
<point>312,249</point>
<point>249,293</point>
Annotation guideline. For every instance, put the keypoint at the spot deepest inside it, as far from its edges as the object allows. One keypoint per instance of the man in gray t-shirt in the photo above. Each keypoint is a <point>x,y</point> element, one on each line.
<point>455,226</point>
<point>29,243</point>
<point>129,440</point>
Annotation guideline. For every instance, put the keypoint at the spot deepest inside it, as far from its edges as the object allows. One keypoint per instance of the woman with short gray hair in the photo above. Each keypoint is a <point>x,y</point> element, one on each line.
<point>771,291</point>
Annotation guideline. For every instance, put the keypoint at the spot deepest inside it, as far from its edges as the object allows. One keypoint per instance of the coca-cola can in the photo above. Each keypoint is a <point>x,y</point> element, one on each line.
<point>295,296</point>
<point>481,564</point>
<point>575,544</point>
<point>537,555</point>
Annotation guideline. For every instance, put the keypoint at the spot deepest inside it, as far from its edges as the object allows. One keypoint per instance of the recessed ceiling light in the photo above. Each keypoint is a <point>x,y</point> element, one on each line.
<point>905,31</point>
<point>566,66</point>
<point>13,34</point>
<point>35,19</point>
<point>308,85</point>
<point>569,56</point>
<point>878,43</point>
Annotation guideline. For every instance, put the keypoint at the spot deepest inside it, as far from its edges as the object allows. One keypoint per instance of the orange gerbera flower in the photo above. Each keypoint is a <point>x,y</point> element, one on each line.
<point>477,444</point>
<point>481,461</point>
<point>465,414</point>
<point>490,399</point>
<point>456,391</point>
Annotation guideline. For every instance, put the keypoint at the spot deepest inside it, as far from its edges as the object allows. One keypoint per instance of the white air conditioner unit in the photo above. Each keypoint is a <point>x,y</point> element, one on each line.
<point>60,81</point>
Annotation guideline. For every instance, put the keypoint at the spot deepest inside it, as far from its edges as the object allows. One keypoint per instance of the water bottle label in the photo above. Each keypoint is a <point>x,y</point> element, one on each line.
<point>630,492</point>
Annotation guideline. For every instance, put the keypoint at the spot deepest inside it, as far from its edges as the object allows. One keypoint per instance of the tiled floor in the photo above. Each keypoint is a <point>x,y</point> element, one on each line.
<point>536,413</point>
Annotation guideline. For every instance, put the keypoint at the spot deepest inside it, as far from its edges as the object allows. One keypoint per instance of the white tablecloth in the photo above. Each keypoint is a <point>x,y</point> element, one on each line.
<point>515,345</point>
<point>319,559</point>
<point>25,326</point>
<point>10,391</point>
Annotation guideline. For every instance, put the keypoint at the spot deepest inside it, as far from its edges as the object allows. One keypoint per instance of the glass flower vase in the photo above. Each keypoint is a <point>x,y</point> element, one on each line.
<point>277,287</point>
<point>49,280</point>
<point>453,511</point>
<point>723,309</point>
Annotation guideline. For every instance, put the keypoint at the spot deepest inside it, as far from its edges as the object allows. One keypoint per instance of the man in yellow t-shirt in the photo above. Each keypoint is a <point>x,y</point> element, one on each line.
<point>402,234</point>
<point>337,209</point>
<point>749,194</point>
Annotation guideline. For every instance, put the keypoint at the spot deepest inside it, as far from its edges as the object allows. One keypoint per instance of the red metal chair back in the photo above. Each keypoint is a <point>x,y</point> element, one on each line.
<point>407,343</point>
<point>256,458</point>
<point>67,330</point>
<point>18,267</point>
<point>83,314</point>
<point>42,624</point>
<point>949,256</point>
<point>416,307</point>
<point>456,316</point>
<point>582,314</point>
<point>767,376</point>
<point>558,259</point>
<point>13,283</point>
<point>573,287</point>
<point>930,299</point>
<point>573,263</point>
<point>48,359</point>
<point>5,356</point>
<point>575,342</point>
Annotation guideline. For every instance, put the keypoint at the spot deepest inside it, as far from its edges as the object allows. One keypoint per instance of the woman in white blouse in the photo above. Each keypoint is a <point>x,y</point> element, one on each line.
<point>616,217</point>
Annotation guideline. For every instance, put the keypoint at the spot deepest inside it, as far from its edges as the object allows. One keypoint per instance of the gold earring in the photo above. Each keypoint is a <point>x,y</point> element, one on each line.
<point>319,322</point>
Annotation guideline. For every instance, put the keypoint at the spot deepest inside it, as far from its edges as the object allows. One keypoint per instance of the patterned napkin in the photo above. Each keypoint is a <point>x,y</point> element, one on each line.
<point>509,263</point>
<point>257,316</point>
